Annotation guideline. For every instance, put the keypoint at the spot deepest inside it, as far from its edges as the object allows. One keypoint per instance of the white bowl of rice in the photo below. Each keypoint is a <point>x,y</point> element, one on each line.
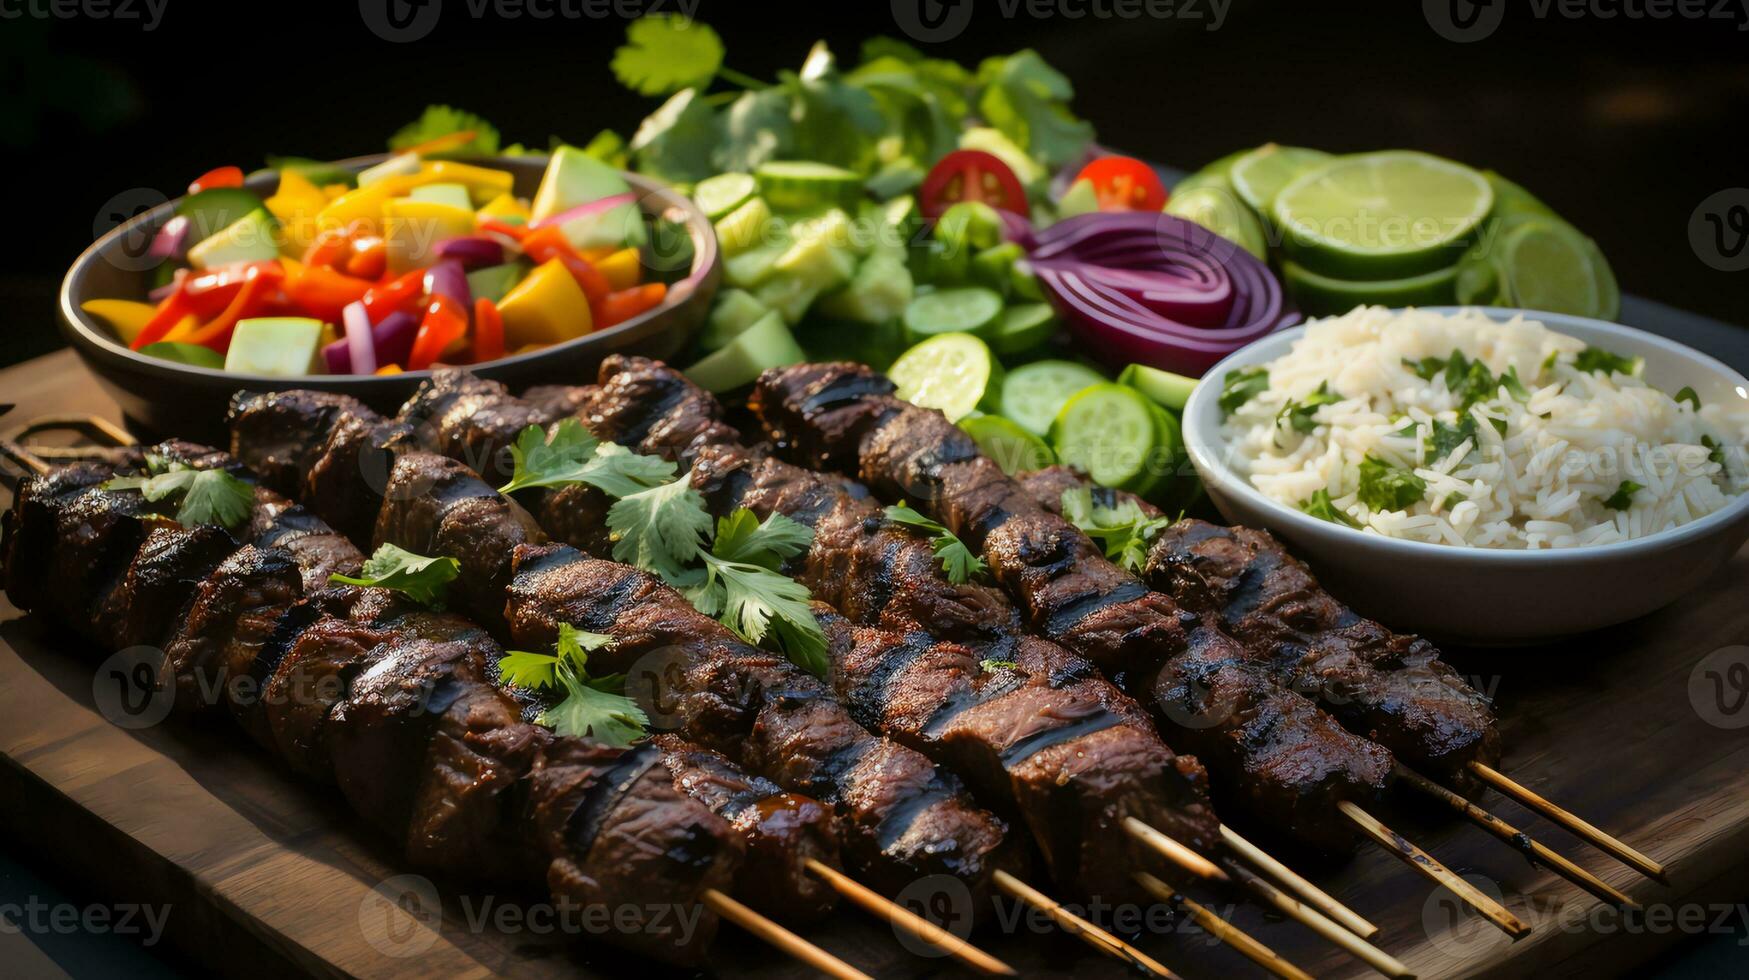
<point>1482,475</point>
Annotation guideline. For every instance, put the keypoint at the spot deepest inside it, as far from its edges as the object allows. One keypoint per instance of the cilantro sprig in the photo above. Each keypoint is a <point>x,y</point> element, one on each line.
<point>202,496</point>
<point>593,706</point>
<point>957,560</point>
<point>1124,530</point>
<point>1387,487</point>
<point>1623,497</point>
<point>1299,414</point>
<point>1600,361</point>
<point>423,579</point>
<point>1242,385</point>
<point>570,455</point>
<point>1320,505</point>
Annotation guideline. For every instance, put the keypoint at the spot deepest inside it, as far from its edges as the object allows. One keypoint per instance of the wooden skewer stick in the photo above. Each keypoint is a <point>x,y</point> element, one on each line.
<point>912,923</point>
<point>1221,929</point>
<point>1623,853</point>
<point>1316,921</point>
<point>1299,886</point>
<point>782,938</point>
<point>1517,838</point>
<point>1430,867</point>
<point>1074,925</point>
<point>1174,851</point>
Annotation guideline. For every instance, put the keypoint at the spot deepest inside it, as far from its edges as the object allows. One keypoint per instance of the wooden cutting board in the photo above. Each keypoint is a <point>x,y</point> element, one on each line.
<point>264,873</point>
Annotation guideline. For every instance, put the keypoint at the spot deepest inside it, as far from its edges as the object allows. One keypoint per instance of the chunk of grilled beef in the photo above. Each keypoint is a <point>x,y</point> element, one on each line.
<point>1389,687</point>
<point>783,831</point>
<point>279,434</point>
<point>472,419</point>
<point>844,416</point>
<point>898,816</point>
<point>653,408</point>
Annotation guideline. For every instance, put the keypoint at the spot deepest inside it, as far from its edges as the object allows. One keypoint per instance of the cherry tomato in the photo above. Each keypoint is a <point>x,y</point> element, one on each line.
<point>971,175</point>
<point>1124,184</point>
<point>217,177</point>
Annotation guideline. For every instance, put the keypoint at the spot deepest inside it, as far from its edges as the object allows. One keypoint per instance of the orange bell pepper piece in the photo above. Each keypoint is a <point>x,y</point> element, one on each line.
<point>322,292</point>
<point>549,243</point>
<point>488,331</point>
<point>627,303</point>
<point>258,283</point>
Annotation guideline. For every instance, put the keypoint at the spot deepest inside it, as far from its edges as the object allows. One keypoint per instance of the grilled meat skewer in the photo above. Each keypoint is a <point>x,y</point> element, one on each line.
<point>1391,688</point>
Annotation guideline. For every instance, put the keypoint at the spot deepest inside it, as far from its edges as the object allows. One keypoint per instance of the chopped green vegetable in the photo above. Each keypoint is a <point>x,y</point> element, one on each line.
<point>595,707</point>
<point>1601,361</point>
<point>957,560</point>
<point>1623,497</point>
<point>1027,100</point>
<point>1124,530</point>
<point>1717,453</point>
<point>1513,385</point>
<point>1320,505</point>
<point>1445,438</point>
<point>571,455</point>
<point>1242,385</point>
<point>203,496</point>
<point>661,529</point>
<point>1386,487</point>
<point>443,120</point>
<point>1427,368</point>
<point>1299,414</point>
<point>422,579</point>
<point>1687,394</point>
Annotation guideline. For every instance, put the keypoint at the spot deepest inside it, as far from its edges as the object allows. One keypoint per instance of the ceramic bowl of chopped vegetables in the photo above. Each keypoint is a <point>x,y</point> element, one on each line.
<point>362,275</point>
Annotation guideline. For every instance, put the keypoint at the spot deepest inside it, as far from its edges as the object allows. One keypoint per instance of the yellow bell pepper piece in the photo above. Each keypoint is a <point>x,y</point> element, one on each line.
<point>360,204</point>
<point>547,306</point>
<point>483,183</point>
<point>296,198</point>
<point>125,316</point>
<point>413,229</point>
<point>184,328</point>
<point>504,206</point>
<point>621,268</point>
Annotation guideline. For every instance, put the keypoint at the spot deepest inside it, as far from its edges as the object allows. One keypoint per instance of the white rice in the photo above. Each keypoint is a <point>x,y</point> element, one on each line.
<point>1574,443</point>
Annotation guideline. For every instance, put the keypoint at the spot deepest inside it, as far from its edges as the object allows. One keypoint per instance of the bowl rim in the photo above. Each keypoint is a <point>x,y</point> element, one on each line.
<point>1203,445</point>
<point>653,197</point>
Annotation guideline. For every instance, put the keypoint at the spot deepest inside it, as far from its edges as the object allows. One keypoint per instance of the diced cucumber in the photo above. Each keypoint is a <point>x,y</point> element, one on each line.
<point>746,227</point>
<point>717,196</point>
<point>1022,327</point>
<point>734,311</point>
<point>799,185</point>
<point>969,225</point>
<point>1024,285</point>
<point>790,296</point>
<point>283,346</point>
<point>573,177</point>
<point>1108,432</point>
<point>897,223</point>
<point>752,267</point>
<point>1034,393</point>
<point>1080,198</point>
<point>454,195</point>
<point>878,293</point>
<point>953,372</point>
<point>1170,390</point>
<point>1012,447</point>
<point>493,281</point>
<point>821,252</point>
<point>966,309</point>
<point>251,238</point>
<point>765,344</point>
<point>993,267</point>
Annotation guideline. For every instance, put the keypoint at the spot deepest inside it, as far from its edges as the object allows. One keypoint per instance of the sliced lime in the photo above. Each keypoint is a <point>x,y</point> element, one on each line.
<point>1213,173</point>
<point>717,196</point>
<point>1034,393</point>
<point>953,372</point>
<point>1219,210</point>
<point>1510,198</point>
<point>1319,295</point>
<point>1260,175</point>
<point>1381,215</point>
<point>1549,266</point>
<point>1012,447</point>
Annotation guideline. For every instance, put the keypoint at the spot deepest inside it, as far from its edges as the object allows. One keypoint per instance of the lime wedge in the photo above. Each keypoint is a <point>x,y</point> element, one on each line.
<point>1548,265</point>
<point>1260,175</point>
<point>1219,210</point>
<point>1319,295</point>
<point>953,372</point>
<point>1381,215</point>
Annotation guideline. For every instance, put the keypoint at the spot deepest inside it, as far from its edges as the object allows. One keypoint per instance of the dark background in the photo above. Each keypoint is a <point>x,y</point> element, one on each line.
<point>1623,125</point>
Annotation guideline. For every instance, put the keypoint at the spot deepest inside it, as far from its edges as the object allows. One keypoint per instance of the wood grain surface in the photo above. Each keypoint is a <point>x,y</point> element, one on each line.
<point>268,875</point>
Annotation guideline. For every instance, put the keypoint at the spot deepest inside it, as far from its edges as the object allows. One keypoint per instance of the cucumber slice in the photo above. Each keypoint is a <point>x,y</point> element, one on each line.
<point>969,309</point>
<point>970,226</point>
<point>953,372</point>
<point>734,311</point>
<point>717,196</point>
<point>1023,327</point>
<point>1107,431</point>
<point>1034,393</point>
<point>937,264</point>
<point>1164,387</point>
<point>746,227</point>
<point>799,185</point>
<point>766,344</point>
<point>1164,457</point>
<point>1012,447</point>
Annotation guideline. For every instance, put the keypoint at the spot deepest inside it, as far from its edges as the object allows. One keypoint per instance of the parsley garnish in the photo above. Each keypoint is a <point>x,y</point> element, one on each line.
<point>1320,505</point>
<point>443,120</point>
<point>1513,385</point>
<point>1427,368</point>
<point>202,496</point>
<point>593,706</point>
<point>956,559</point>
<point>1623,498</point>
<point>572,455</point>
<point>1687,394</point>
<point>1298,414</point>
<point>1470,380</point>
<point>1598,360</point>
<point>665,53</point>
<point>1242,385</point>
<point>1386,487</point>
<point>1717,453</point>
<point>423,579</point>
<point>1445,437</point>
<point>1124,530</point>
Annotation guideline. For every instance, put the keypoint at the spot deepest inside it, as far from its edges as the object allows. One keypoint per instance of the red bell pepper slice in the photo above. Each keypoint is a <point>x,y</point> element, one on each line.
<point>369,258</point>
<point>170,312</point>
<point>398,293</point>
<point>510,231</point>
<point>217,177</point>
<point>322,292</point>
<point>258,285</point>
<point>627,303</point>
<point>445,322</point>
<point>488,331</point>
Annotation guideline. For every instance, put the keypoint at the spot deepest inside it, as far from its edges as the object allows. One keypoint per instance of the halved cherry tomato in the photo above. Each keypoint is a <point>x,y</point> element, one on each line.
<point>1124,184</point>
<point>488,331</point>
<point>971,175</point>
<point>626,303</point>
<point>217,177</point>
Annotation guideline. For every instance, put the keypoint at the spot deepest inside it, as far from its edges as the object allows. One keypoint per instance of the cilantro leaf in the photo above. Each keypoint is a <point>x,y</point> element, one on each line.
<point>1299,414</point>
<point>882,46</point>
<point>1426,368</point>
<point>1124,530</point>
<point>1242,385</point>
<point>570,455</point>
<point>957,561</point>
<point>1623,497</point>
<point>1386,487</point>
<point>1320,505</point>
<point>525,669</point>
<point>665,53</point>
<point>1688,394</point>
<point>1717,449</point>
<point>1514,387</point>
<point>443,120</point>
<point>835,122</point>
<point>742,538</point>
<point>676,141</point>
<point>1445,437</point>
<point>1600,361</point>
<point>661,529</point>
<point>203,496</point>
<point>756,129</point>
<point>589,710</point>
<point>754,599</point>
<point>1027,100</point>
<point>607,146</point>
<point>423,579</point>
